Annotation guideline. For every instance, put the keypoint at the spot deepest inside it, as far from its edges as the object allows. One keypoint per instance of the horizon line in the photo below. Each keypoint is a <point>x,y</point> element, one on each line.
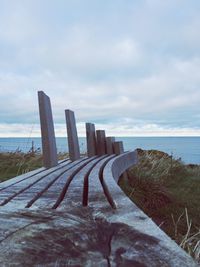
<point>84,136</point>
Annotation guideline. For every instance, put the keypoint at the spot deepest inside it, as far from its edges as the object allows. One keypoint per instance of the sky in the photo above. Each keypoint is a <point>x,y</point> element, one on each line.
<point>132,67</point>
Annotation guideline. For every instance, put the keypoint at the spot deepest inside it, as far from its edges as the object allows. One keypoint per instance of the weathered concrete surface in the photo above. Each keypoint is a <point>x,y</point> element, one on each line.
<point>74,150</point>
<point>118,147</point>
<point>91,139</point>
<point>85,237</point>
<point>101,142</point>
<point>47,130</point>
<point>110,145</point>
<point>73,235</point>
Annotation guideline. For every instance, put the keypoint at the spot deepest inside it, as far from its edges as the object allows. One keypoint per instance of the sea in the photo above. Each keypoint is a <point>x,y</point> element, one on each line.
<point>185,148</point>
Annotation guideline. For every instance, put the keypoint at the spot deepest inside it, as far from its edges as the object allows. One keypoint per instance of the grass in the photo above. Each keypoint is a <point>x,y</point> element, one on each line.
<point>169,192</point>
<point>16,163</point>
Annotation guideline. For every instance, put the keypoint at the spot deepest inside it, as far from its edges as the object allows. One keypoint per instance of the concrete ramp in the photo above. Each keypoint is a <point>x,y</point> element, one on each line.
<point>75,214</point>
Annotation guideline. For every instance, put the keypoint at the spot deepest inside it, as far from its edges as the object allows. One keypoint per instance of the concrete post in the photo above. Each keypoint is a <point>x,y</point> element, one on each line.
<point>101,142</point>
<point>74,150</point>
<point>91,139</point>
<point>109,145</point>
<point>47,131</point>
<point>118,148</point>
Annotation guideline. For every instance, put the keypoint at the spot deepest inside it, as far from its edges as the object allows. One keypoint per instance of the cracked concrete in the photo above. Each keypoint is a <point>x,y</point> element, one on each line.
<point>83,238</point>
<point>72,235</point>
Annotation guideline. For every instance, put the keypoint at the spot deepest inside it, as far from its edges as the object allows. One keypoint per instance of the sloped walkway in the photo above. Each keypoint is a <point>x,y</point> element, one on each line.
<point>75,214</point>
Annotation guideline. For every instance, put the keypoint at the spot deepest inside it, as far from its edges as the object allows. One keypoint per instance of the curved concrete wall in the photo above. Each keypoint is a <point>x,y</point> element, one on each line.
<point>161,250</point>
<point>122,163</point>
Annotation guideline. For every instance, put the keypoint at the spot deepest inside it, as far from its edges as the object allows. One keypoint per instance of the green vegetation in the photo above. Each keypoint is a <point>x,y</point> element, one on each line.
<point>169,192</point>
<point>16,163</point>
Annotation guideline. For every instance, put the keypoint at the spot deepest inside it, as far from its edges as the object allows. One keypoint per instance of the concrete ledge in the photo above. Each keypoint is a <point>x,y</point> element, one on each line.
<point>57,230</point>
<point>154,247</point>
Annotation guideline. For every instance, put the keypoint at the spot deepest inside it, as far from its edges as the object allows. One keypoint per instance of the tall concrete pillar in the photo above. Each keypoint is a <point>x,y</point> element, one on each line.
<point>47,131</point>
<point>118,148</point>
<point>110,145</point>
<point>91,139</point>
<point>101,142</point>
<point>74,150</point>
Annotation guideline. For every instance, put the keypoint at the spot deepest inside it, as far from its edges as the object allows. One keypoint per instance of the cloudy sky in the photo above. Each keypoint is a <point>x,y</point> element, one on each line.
<point>130,66</point>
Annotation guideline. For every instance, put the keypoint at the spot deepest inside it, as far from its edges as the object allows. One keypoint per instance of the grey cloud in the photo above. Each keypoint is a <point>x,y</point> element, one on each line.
<point>137,61</point>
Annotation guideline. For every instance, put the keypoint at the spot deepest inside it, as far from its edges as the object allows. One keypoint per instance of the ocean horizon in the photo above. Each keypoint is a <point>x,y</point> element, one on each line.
<point>185,148</point>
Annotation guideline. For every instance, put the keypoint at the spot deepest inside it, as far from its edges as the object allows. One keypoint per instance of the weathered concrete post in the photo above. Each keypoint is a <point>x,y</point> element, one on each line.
<point>110,145</point>
<point>101,142</point>
<point>74,150</point>
<point>91,139</point>
<point>118,148</point>
<point>47,131</point>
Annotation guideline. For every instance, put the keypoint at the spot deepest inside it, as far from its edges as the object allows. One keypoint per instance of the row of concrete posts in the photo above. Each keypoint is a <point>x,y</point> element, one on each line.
<point>97,142</point>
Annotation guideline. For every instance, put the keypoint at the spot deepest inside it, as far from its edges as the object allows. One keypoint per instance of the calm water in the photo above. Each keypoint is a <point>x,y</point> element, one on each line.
<point>186,148</point>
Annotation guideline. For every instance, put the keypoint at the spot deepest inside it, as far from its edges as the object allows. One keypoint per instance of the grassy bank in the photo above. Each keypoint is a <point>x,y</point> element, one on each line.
<point>16,163</point>
<point>169,192</point>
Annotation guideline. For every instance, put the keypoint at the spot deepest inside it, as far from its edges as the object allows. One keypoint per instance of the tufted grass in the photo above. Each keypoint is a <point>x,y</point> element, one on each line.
<point>169,192</point>
<point>16,163</point>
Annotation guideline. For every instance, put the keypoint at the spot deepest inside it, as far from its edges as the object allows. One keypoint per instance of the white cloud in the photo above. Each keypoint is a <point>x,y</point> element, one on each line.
<point>112,129</point>
<point>136,61</point>
<point>175,88</point>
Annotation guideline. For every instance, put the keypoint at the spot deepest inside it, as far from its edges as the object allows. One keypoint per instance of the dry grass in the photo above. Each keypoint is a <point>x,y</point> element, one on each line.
<point>15,163</point>
<point>169,192</point>
<point>190,241</point>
